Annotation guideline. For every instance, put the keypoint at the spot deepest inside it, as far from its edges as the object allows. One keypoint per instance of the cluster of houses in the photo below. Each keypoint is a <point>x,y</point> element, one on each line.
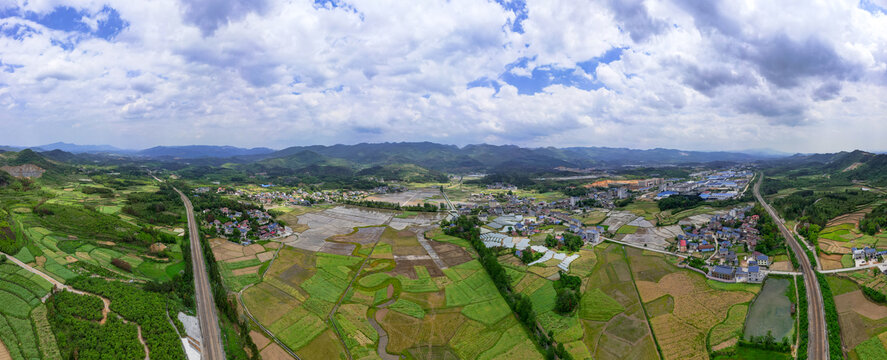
<point>867,256</point>
<point>254,225</point>
<point>716,234</point>
<point>716,241</point>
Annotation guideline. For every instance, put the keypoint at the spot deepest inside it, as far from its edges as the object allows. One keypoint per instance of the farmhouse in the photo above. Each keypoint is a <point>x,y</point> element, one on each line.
<point>723,272</point>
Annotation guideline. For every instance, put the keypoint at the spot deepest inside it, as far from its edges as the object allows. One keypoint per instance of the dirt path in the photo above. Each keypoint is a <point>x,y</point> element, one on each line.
<point>420,235</point>
<point>59,285</point>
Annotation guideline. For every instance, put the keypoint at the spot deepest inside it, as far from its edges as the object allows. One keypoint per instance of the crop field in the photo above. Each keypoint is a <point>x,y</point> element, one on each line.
<point>20,293</point>
<point>609,322</point>
<point>863,322</point>
<point>727,333</point>
<point>646,209</point>
<point>698,307</point>
<point>836,241</point>
<point>627,229</point>
<point>297,294</point>
<point>593,217</point>
<point>239,265</point>
<point>425,312</point>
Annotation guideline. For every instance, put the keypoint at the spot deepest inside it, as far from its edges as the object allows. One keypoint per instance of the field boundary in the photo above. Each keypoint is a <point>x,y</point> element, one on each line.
<point>641,301</point>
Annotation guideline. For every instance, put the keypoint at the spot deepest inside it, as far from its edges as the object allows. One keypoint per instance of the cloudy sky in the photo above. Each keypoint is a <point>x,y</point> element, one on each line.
<point>806,75</point>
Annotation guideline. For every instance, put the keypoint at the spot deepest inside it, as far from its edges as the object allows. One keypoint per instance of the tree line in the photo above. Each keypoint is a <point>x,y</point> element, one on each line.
<point>468,228</point>
<point>771,241</point>
<point>425,207</point>
<point>228,309</point>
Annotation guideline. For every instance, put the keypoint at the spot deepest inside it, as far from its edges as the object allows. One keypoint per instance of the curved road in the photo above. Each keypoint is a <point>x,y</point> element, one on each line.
<point>206,306</point>
<point>817,347</point>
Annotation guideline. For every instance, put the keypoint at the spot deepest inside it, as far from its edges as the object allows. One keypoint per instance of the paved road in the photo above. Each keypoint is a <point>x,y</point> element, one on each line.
<point>206,306</point>
<point>855,268</point>
<point>817,347</point>
<point>683,256</point>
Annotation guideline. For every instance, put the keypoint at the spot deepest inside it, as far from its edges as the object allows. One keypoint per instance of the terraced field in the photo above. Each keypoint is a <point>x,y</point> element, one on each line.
<point>56,246</point>
<point>20,294</point>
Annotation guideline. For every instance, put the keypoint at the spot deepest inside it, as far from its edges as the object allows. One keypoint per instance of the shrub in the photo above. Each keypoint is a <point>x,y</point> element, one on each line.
<point>123,265</point>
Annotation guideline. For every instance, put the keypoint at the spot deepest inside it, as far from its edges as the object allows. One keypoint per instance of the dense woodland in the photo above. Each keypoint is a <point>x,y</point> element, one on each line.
<point>145,308</point>
<point>679,202</point>
<point>163,207</point>
<point>817,207</point>
<point>75,322</point>
<point>874,221</point>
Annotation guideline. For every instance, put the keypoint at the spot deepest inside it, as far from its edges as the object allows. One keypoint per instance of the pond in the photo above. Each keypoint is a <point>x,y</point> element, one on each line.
<point>770,311</point>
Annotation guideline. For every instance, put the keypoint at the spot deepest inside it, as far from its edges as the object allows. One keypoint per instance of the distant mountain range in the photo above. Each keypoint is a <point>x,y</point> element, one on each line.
<point>200,151</point>
<point>485,157</point>
<point>79,149</point>
<point>439,157</point>
<point>428,162</point>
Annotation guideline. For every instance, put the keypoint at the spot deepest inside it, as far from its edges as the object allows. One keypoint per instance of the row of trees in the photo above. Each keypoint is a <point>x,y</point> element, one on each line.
<point>567,289</point>
<point>228,308</point>
<point>425,207</point>
<point>771,241</point>
<point>468,228</point>
<point>831,318</point>
<point>810,232</point>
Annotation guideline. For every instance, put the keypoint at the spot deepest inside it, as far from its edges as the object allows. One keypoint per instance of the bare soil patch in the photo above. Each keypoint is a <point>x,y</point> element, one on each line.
<point>725,344</point>
<point>407,268</point>
<point>274,352</point>
<point>830,264</point>
<point>363,236</point>
<point>781,266</point>
<point>246,271</point>
<point>265,256</point>
<point>260,340</point>
<point>337,248</point>
<point>856,301</point>
<point>852,167</point>
<point>832,246</point>
<point>40,260</point>
<point>450,254</point>
<point>832,257</point>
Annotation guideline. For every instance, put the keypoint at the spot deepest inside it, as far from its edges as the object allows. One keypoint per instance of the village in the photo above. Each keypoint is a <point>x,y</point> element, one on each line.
<point>245,227</point>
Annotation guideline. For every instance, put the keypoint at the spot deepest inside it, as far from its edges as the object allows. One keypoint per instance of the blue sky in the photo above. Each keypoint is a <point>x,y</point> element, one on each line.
<point>804,77</point>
